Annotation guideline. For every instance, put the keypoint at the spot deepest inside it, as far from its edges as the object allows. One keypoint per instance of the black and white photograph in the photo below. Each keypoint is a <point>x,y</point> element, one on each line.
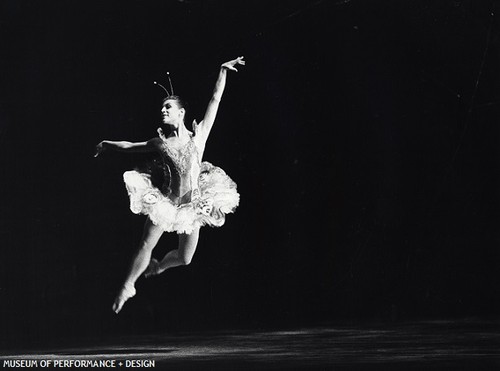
<point>250,185</point>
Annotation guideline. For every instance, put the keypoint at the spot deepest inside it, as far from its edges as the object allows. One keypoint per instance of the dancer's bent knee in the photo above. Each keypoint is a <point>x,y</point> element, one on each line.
<point>185,260</point>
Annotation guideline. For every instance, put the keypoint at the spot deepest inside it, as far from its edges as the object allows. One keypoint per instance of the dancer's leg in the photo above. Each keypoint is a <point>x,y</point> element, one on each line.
<point>181,256</point>
<point>140,261</point>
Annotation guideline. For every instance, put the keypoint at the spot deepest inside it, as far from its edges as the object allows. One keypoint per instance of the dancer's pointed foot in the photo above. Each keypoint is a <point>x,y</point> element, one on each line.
<point>127,291</point>
<point>153,268</point>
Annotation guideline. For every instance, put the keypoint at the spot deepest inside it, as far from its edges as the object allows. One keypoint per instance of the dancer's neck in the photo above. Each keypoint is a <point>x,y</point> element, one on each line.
<point>180,131</point>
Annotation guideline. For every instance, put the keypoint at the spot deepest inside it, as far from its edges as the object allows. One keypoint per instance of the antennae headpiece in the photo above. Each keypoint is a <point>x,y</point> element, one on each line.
<point>171,93</point>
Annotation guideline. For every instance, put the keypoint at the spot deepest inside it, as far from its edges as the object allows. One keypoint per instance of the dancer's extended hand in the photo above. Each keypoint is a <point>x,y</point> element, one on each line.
<point>230,65</point>
<point>99,149</point>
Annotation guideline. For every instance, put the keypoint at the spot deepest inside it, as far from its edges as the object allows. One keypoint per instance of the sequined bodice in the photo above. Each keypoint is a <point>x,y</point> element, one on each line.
<point>181,158</point>
<point>184,166</point>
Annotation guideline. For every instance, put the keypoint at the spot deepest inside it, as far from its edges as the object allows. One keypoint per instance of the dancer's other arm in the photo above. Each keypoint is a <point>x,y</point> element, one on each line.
<point>124,146</point>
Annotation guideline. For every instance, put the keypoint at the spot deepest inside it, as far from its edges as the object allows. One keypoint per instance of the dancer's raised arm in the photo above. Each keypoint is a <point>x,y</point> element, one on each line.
<point>203,129</point>
<point>124,146</point>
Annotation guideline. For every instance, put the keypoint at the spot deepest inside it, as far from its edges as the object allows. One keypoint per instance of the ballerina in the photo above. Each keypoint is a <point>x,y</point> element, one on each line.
<point>194,193</point>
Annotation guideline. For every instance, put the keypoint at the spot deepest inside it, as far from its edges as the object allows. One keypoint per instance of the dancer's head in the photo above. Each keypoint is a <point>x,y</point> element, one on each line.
<point>173,110</point>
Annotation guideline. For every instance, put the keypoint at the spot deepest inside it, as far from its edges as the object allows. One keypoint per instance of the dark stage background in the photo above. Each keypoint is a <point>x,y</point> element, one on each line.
<point>363,136</point>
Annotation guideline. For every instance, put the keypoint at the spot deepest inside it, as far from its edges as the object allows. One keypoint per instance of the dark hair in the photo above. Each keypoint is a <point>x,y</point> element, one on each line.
<point>180,102</point>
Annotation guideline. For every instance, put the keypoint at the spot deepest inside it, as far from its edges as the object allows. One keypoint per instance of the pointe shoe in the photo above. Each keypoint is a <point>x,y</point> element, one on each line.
<point>126,292</point>
<point>153,268</point>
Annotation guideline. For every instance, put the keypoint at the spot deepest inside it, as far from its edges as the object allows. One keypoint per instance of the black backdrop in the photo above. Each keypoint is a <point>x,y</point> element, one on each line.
<point>363,136</point>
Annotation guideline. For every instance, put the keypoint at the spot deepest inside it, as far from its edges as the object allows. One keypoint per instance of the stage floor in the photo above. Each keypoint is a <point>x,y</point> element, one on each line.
<point>429,345</point>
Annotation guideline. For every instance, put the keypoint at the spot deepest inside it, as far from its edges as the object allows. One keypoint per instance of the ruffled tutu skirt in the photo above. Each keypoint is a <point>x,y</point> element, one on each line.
<point>218,197</point>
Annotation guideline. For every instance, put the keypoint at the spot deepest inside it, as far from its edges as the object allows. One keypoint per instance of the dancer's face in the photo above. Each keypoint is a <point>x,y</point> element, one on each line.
<point>172,113</point>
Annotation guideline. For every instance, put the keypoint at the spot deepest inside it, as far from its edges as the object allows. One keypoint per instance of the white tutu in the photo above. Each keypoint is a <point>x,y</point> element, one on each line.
<point>218,197</point>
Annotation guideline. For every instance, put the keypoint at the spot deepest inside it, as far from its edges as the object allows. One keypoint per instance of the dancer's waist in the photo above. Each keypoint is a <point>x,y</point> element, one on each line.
<point>183,196</point>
